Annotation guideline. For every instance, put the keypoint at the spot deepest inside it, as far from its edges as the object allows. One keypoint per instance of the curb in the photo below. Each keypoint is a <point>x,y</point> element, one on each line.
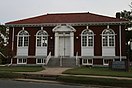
<point>38,81</point>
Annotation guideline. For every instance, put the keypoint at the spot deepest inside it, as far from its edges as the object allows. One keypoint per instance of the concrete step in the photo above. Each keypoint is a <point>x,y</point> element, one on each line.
<point>66,62</point>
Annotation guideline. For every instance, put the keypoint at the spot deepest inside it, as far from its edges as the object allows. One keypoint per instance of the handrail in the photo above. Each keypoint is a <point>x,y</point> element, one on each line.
<point>3,55</point>
<point>61,57</point>
<point>76,58</point>
<point>48,58</point>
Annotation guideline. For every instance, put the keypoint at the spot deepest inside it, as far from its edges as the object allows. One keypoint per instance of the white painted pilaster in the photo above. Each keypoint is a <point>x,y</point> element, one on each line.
<point>12,39</point>
<point>56,44</point>
<point>120,41</point>
<point>72,43</point>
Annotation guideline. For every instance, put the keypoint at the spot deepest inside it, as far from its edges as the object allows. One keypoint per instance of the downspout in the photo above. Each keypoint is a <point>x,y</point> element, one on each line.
<point>120,41</point>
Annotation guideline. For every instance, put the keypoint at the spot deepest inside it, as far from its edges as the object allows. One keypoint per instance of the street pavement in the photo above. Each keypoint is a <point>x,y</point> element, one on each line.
<point>5,83</point>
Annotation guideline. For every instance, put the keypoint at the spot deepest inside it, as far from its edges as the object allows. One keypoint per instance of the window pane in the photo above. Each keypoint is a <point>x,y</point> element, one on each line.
<point>106,61</point>
<point>19,60</point>
<point>24,60</point>
<point>105,40</point>
<point>40,60</point>
<point>25,41</point>
<point>90,40</point>
<point>44,41</point>
<point>85,61</point>
<point>111,40</point>
<point>84,40</point>
<point>38,41</point>
<point>20,41</point>
<point>90,61</point>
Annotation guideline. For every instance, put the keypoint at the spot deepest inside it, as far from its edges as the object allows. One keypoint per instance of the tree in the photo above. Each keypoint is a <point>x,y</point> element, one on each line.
<point>128,16</point>
<point>3,42</point>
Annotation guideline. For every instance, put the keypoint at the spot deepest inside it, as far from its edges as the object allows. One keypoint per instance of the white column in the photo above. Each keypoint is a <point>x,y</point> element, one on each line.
<point>120,41</point>
<point>72,43</point>
<point>56,44</point>
<point>12,39</point>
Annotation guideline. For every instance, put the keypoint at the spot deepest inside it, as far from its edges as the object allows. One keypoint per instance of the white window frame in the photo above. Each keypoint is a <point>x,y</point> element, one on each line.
<point>22,61</point>
<point>108,62</point>
<point>108,38</point>
<point>23,38</point>
<point>41,38</point>
<point>42,60</point>
<point>87,38</point>
<point>87,62</point>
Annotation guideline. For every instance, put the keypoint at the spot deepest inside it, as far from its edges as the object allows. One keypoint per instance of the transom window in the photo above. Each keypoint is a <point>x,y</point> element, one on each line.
<point>108,38</point>
<point>23,38</point>
<point>42,38</point>
<point>87,38</point>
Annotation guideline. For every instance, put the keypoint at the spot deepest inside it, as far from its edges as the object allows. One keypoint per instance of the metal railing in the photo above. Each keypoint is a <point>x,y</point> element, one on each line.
<point>3,55</point>
<point>61,57</point>
<point>48,58</point>
<point>76,58</point>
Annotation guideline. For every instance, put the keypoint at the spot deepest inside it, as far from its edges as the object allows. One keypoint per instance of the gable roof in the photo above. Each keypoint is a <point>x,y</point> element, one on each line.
<point>67,18</point>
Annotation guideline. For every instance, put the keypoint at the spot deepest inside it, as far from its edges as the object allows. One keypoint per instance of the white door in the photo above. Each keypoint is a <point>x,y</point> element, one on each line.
<point>64,46</point>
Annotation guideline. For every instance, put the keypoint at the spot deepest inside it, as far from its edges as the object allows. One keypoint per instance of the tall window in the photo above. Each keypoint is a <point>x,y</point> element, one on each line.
<point>87,38</point>
<point>108,38</point>
<point>42,38</point>
<point>23,38</point>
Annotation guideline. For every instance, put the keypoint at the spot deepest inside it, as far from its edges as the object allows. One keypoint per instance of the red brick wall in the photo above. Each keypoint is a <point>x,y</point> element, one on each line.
<point>77,42</point>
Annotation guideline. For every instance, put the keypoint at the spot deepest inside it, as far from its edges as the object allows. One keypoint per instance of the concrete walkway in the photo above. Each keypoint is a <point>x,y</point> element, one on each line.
<point>49,71</point>
<point>52,71</point>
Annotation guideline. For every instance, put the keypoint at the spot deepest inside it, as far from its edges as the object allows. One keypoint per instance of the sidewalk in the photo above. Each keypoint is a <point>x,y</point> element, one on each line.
<point>55,72</point>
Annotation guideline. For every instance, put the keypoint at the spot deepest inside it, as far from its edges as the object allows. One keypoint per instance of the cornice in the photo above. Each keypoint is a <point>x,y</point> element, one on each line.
<point>72,24</point>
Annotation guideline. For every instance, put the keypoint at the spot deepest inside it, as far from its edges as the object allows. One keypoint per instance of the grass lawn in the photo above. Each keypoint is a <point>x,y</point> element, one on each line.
<point>96,81</point>
<point>101,71</point>
<point>10,72</point>
<point>21,69</point>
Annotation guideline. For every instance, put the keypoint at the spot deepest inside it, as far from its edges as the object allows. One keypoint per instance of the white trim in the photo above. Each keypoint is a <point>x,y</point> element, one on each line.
<point>56,44</point>
<point>59,27</point>
<point>120,41</point>
<point>108,35</point>
<point>41,61</point>
<point>108,62</point>
<point>22,61</point>
<point>13,39</point>
<point>72,24</point>
<point>87,62</point>
<point>72,43</point>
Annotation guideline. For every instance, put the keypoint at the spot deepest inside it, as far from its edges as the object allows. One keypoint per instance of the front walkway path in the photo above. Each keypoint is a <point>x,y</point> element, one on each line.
<point>49,71</point>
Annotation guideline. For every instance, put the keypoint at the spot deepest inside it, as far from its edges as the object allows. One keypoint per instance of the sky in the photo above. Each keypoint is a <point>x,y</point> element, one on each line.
<point>11,10</point>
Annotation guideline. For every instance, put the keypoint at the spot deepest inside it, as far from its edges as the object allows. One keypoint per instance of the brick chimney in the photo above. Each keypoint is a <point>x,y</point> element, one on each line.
<point>118,15</point>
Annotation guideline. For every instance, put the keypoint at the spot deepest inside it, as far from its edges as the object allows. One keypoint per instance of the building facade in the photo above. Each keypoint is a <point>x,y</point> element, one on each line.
<point>88,38</point>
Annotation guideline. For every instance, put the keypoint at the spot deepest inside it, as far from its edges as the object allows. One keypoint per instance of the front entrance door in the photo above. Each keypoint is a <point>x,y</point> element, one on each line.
<point>64,46</point>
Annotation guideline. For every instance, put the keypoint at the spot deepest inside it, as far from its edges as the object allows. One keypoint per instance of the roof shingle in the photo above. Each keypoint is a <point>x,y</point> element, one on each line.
<point>67,18</point>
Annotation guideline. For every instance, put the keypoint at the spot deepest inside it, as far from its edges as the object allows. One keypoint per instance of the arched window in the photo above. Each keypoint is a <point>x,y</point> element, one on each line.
<point>87,38</point>
<point>108,38</point>
<point>23,38</point>
<point>42,38</point>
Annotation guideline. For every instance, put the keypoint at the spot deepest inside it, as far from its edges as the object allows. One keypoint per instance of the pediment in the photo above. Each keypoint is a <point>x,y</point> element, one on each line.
<point>64,28</point>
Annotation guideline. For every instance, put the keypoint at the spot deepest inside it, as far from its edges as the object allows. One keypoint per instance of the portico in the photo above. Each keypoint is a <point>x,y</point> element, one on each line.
<point>64,40</point>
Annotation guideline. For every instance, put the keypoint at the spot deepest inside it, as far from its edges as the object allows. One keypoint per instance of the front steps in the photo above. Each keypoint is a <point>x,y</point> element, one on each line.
<point>62,62</point>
